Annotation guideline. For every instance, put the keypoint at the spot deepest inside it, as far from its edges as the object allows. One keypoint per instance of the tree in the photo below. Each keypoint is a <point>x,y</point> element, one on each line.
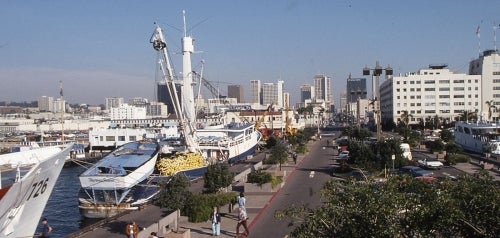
<point>217,177</point>
<point>491,105</point>
<point>467,115</point>
<point>447,136</point>
<point>279,154</point>
<point>174,194</point>
<point>401,207</point>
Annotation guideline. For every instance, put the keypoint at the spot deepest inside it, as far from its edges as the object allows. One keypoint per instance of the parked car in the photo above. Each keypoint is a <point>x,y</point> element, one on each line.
<point>344,155</point>
<point>430,163</point>
<point>415,171</point>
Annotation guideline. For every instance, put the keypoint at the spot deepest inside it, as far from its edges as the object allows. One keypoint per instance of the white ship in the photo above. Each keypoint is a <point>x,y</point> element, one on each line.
<point>27,180</point>
<point>478,137</point>
<point>229,142</point>
<point>116,183</point>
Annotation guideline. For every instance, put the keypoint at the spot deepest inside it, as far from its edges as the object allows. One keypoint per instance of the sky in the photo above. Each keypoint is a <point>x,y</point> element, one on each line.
<point>100,48</point>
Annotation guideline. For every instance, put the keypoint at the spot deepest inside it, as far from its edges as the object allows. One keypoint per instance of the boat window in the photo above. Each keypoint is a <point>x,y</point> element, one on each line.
<point>466,130</point>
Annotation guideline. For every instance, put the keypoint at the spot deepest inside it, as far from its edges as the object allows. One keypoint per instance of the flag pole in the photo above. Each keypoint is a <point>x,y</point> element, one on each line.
<point>478,33</point>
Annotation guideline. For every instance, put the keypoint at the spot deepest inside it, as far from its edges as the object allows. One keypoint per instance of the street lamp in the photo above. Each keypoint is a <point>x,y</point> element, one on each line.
<point>376,72</point>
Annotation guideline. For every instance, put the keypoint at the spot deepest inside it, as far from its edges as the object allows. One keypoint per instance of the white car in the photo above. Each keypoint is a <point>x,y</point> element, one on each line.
<point>430,163</point>
<point>344,155</point>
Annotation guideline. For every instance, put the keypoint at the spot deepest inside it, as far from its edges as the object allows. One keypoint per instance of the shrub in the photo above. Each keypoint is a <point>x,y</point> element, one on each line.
<point>275,181</point>
<point>259,177</point>
<point>199,206</point>
<point>301,149</point>
<point>452,159</point>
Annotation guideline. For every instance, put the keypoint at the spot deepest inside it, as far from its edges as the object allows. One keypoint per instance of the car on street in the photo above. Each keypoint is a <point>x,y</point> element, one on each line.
<point>343,155</point>
<point>430,163</point>
<point>415,171</point>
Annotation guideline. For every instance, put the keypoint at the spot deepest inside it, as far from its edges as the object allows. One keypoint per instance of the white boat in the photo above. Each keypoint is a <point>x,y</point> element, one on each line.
<point>27,180</point>
<point>116,183</point>
<point>476,136</point>
<point>229,142</point>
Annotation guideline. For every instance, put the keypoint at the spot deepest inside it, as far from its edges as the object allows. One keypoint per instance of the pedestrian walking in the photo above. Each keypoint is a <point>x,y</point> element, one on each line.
<point>216,219</point>
<point>294,158</point>
<point>242,221</point>
<point>242,201</point>
<point>132,230</point>
<point>153,235</point>
<point>46,229</point>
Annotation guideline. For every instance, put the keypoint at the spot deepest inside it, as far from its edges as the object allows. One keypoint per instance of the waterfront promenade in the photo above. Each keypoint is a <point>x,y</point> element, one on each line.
<point>256,204</point>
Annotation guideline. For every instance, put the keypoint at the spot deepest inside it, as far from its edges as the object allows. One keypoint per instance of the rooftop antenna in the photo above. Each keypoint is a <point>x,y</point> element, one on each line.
<point>478,34</point>
<point>184,19</point>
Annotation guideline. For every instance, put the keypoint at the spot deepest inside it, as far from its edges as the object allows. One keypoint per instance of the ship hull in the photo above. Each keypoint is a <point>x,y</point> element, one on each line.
<point>23,203</point>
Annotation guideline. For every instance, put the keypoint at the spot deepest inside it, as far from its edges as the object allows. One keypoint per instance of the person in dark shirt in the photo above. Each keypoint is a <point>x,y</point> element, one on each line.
<point>46,230</point>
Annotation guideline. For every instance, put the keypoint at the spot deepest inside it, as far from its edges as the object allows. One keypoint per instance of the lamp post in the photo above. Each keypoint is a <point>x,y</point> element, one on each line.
<point>376,72</point>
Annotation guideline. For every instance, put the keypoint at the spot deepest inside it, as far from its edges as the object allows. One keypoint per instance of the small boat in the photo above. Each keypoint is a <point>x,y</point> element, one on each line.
<point>27,180</point>
<point>118,182</point>
<point>478,137</point>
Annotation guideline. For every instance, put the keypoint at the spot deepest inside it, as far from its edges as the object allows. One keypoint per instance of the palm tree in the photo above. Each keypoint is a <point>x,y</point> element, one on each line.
<point>467,115</point>
<point>491,105</point>
<point>405,117</point>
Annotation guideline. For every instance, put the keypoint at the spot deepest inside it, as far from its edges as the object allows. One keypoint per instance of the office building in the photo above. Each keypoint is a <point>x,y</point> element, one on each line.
<point>113,102</point>
<point>436,91</point>
<point>272,93</point>
<point>235,91</point>
<point>46,104</point>
<point>488,67</point>
<point>356,89</point>
<point>322,88</point>
<point>255,92</point>
<point>306,92</point>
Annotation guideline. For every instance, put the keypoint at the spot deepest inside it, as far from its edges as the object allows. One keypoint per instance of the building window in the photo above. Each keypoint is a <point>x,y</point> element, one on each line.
<point>430,89</point>
<point>444,96</point>
<point>429,81</point>
<point>459,96</point>
<point>121,138</point>
<point>397,90</point>
<point>404,89</point>
<point>458,89</point>
<point>110,138</point>
<point>412,82</point>
<point>444,81</point>
<point>419,104</point>
<point>458,81</point>
<point>419,97</point>
<point>132,138</point>
<point>496,73</point>
<point>430,96</point>
<point>444,89</point>
<point>412,104</point>
<point>419,89</point>
<point>444,111</point>
<point>430,111</point>
<point>412,90</point>
<point>412,97</point>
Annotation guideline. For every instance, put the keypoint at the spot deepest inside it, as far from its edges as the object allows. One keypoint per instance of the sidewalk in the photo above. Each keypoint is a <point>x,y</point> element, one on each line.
<point>256,203</point>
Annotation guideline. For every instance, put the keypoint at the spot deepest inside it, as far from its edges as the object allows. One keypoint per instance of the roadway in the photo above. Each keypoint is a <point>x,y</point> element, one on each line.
<point>302,187</point>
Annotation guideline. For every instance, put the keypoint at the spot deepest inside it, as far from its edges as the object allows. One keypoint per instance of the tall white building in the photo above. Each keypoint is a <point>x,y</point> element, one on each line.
<point>322,88</point>
<point>488,67</point>
<point>430,92</point>
<point>46,104</point>
<point>125,111</point>
<point>272,93</point>
<point>59,105</point>
<point>255,92</point>
<point>113,102</point>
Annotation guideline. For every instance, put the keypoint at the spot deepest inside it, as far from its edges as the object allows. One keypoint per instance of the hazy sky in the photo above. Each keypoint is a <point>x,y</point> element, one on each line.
<point>100,48</point>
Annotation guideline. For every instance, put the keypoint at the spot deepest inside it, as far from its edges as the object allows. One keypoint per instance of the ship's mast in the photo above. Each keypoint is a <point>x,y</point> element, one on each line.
<point>183,115</point>
<point>188,104</point>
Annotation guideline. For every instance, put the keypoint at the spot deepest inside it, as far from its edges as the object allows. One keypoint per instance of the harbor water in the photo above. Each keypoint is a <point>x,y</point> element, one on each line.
<point>62,208</point>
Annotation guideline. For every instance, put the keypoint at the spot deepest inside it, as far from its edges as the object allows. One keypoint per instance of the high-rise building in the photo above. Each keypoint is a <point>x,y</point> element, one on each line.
<point>272,93</point>
<point>46,104</point>
<point>59,105</point>
<point>235,91</point>
<point>488,67</point>
<point>113,102</point>
<point>356,89</point>
<point>138,101</point>
<point>164,96</point>
<point>436,91</point>
<point>255,92</point>
<point>306,92</point>
<point>322,89</point>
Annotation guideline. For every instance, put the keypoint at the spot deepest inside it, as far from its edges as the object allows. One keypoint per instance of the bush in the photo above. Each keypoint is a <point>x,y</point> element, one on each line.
<point>452,159</point>
<point>301,149</point>
<point>275,181</point>
<point>259,177</point>
<point>199,206</point>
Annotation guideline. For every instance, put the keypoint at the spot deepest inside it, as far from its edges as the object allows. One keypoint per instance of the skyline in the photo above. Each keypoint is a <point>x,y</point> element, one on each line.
<point>101,49</point>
